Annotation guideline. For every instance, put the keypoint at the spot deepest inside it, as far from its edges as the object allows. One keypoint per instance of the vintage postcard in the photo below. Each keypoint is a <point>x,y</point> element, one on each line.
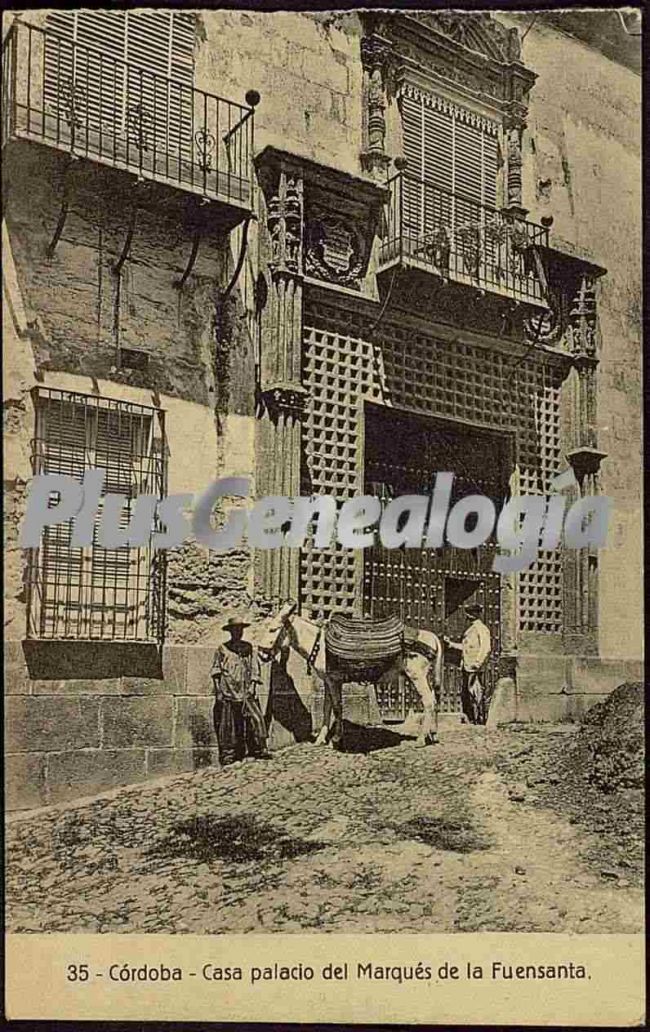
<point>323,517</point>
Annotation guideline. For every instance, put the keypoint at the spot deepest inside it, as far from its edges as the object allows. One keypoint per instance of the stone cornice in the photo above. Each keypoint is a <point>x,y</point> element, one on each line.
<point>562,252</point>
<point>469,53</point>
<point>435,327</point>
<point>334,180</point>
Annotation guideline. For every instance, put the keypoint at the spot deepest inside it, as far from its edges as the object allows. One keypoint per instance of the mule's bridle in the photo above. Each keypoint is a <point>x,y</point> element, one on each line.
<point>314,649</point>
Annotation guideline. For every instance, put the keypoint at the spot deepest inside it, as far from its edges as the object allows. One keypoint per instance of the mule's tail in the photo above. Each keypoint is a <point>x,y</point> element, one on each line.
<point>437,666</point>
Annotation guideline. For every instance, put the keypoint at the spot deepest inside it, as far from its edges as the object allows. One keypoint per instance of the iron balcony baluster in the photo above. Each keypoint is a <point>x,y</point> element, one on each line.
<point>457,238</point>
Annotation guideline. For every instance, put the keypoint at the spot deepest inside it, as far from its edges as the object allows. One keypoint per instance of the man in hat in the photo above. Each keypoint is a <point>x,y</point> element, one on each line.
<point>238,719</point>
<point>475,651</point>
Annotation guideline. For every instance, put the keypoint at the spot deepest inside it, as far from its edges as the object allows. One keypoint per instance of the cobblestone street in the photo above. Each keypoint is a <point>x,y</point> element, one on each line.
<point>484,831</point>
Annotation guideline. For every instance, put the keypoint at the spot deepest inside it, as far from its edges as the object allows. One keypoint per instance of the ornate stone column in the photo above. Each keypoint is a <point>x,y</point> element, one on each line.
<point>280,391</point>
<point>585,459</point>
<point>283,412</point>
<point>513,135</point>
<point>518,82</point>
<point>375,53</point>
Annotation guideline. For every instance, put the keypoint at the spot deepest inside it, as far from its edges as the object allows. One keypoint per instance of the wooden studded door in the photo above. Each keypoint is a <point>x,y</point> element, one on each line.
<point>428,588</point>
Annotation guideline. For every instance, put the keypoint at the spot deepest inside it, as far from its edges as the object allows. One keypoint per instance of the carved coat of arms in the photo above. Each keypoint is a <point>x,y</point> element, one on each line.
<point>334,250</point>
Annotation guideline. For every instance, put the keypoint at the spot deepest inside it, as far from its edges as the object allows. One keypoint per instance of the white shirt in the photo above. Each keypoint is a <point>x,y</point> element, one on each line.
<point>476,645</point>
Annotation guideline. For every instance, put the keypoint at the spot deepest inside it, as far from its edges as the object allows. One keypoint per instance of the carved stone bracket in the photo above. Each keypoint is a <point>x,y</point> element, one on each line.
<point>571,321</point>
<point>284,222</point>
<point>288,398</point>
<point>583,319</point>
<point>585,461</point>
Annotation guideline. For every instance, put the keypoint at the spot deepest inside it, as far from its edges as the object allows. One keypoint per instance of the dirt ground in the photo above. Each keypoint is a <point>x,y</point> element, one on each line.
<point>488,830</point>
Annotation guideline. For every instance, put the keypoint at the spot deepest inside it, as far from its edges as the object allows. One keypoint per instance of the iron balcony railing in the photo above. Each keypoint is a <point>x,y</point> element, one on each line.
<point>80,100</point>
<point>461,240</point>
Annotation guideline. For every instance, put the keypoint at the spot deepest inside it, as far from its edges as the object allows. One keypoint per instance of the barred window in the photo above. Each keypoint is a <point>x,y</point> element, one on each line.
<point>97,593</point>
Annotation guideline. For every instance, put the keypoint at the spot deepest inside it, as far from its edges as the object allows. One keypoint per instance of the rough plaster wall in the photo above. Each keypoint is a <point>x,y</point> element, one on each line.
<point>582,165</point>
<point>307,70</point>
<point>201,359</point>
<point>17,380</point>
<point>85,309</point>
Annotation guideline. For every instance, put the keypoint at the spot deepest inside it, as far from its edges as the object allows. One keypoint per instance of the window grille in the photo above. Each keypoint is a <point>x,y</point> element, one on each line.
<point>97,593</point>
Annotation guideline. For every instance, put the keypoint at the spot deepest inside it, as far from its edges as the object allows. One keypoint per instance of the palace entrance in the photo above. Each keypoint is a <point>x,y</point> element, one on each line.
<point>429,587</point>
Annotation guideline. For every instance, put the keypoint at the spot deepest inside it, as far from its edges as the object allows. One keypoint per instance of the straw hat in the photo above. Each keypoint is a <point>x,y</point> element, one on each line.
<point>234,621</point>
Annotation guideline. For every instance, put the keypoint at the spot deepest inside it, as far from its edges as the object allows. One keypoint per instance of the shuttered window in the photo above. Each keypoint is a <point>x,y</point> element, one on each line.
<point>454,151</point>
<point>124,72</point>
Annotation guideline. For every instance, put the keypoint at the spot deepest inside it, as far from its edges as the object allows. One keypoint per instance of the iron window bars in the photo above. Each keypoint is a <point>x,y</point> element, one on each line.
<point>80,100</point>
<point>97,593</point>
<point>462,240</point>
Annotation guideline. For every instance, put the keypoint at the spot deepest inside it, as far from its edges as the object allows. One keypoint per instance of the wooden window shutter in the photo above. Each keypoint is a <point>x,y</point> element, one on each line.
<point>449,147</point>
<point>84,68</point>
<point>413,137</point>
<point>131,74</point>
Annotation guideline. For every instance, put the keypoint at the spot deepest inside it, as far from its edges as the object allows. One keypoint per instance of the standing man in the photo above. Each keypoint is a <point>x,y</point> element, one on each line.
<point>475,651</point>
<point>238,719</point>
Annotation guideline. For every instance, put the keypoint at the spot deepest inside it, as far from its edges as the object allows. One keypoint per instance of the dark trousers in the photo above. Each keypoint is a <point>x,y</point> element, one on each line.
<point>472,707</point>
<point>240,729</point>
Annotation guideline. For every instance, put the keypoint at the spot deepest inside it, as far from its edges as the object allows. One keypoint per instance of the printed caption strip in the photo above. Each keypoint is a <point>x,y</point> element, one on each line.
<point>514,978</point>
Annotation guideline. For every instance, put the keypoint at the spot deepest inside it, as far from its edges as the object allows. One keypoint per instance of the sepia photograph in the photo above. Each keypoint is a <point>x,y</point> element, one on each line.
<point>323,550</point>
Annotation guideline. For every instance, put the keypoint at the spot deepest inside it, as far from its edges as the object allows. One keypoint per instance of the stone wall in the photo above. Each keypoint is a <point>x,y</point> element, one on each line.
<point>84,718</point>
<point>307,70</point>
<point>79,719</point>
<point>558,688</point>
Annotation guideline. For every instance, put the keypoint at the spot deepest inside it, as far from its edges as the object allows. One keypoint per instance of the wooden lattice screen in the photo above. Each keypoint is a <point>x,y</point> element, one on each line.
<point>411,370</point>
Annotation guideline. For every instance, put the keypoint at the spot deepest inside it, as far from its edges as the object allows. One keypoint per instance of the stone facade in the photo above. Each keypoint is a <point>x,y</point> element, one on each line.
<point>263,341</point>
<point>581,164</point>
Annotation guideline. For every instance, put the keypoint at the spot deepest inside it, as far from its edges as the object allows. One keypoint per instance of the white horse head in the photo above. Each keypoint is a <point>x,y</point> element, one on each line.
<point>276,628</point>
